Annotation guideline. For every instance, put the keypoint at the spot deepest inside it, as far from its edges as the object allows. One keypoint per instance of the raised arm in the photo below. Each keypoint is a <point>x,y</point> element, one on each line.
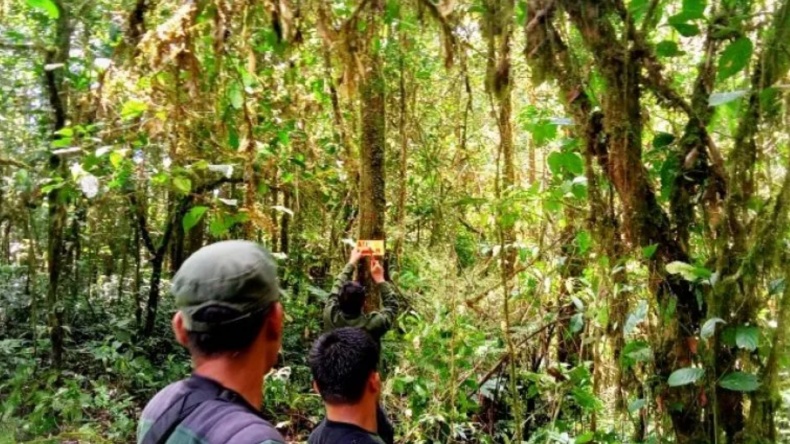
<point>381,321</point>
<point>340,280</point>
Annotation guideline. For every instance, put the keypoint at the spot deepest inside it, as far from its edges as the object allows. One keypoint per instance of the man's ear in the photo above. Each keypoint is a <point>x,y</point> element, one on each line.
<point>179,330</point>
<point>374,383</point>
<point>273,327</point>
<point>315,388</point>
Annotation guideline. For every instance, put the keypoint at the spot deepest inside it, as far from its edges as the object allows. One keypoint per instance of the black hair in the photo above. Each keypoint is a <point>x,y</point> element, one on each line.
<point>341,362</point>
<point>352,298</point>
<point>233,337</point>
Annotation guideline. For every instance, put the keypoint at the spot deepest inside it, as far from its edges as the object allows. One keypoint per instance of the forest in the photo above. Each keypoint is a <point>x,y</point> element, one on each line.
<point>585,206</point>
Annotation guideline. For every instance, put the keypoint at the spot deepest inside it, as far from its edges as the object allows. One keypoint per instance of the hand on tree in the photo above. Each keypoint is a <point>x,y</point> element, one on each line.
<point>376,271</point>
<point>356,255</point>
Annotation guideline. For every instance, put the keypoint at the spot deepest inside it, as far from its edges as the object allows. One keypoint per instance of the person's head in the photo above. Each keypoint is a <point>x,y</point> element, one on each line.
<point>344,367</point>
<point>352,298</point>
<point>227,295</point>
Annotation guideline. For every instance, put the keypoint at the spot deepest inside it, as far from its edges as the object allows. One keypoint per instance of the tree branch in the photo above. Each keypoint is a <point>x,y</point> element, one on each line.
<point>11,162</point>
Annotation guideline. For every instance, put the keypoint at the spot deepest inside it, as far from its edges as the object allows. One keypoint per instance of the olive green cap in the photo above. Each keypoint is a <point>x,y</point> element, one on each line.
<point>236,274</point>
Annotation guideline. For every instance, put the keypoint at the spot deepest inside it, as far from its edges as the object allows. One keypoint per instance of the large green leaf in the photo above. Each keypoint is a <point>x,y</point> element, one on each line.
<point>47,6</point>
<point>543,132</point>
<point>694,9</point>
<point>635,317</point>
<point>236,97</point>
<point>709,327</point>
<point>182,184</point>
<point>133,108</point>
<point>663,139</point>
<point>649,251</point>
<point>740,382</point>
<point>668,48</point>
<point>193,217</point>
<point>685,376</point>
<point>570,162</point>
<point>721,98</point>
<point>685,29</point>
<point>747,337</point>
<point>583,241</point>
<point>638,8</point>
<point>636,351</point>
<point>735,58</point>
<point>689,272</point>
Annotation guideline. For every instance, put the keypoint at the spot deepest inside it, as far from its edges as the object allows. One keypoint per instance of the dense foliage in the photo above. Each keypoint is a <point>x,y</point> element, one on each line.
<point>585,204</point>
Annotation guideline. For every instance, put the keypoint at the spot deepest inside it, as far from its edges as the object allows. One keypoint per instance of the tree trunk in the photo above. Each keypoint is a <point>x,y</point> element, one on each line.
<point>402,163</point>
<point>153,294</point>
<point>372,200</point>
<point>57,167</point>
<point>285,221</point>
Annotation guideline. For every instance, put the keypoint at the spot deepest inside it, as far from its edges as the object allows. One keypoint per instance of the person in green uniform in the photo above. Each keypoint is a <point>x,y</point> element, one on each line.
<point>347,299</point>
<point>344,308</point>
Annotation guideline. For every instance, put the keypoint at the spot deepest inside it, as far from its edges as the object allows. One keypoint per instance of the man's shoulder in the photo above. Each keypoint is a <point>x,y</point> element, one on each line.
<point>214,421</point>
<point>220,421</point>
<point>163,399</point>
<point>339,432</point>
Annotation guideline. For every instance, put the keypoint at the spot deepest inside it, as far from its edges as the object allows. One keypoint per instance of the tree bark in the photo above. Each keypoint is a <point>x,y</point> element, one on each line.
<point>372,198</point>
<point>57,167</point>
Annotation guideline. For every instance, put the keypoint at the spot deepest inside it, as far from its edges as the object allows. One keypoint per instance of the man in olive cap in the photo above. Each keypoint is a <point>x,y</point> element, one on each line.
<point>230,318</point>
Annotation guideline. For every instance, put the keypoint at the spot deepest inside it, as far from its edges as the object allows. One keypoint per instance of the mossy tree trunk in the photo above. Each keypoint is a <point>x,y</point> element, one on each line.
<point>57,198</point>
<point>372,110</point>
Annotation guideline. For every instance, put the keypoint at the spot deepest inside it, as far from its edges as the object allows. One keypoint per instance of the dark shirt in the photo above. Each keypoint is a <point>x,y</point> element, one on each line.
<point>376,323</point>
<point>213,422</point>
<point>332,432</point>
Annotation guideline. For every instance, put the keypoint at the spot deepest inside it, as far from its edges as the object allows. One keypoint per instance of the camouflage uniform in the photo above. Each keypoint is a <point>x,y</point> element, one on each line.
<point>376,323</point>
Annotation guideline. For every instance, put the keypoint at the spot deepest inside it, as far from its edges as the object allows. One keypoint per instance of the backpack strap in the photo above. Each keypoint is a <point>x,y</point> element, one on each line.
<point>202,390</point>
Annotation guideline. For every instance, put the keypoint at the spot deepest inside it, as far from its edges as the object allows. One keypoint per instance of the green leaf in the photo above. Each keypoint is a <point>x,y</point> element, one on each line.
<point>584,438</point>
<point>709,327</point>
<point>668,48</point>
<point>689,272</point>
<point>685,376</point>
<point>663,139</point>
<point>747,337</point>
<point>686,29</point>
<point>694,9</point>
<point>583,241</point>
<point>636,405</point>
<point>116,157</point>
<point>570,162</point>
<point>193,217</point>
<point>638,8</point>
<point>721,98</point>
<point>542,132</point>
<point>735,58</point>
<point>776,286</point>
<point>521,12</point>
<point>182,184</point>
<point>740,382</point>
<point>574,164</point>
<point>577,322</point>
<point>636,351</point>
<point>649,251</point>
<point>65,132</point>
<point>585,399</point>
<point>133,108</point>
<point>47,6</point>
<point>235,97</point>
<point>635,317</point>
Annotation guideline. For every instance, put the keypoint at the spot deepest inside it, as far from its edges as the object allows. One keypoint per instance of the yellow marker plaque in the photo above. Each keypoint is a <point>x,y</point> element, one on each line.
<point>375,246</point>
